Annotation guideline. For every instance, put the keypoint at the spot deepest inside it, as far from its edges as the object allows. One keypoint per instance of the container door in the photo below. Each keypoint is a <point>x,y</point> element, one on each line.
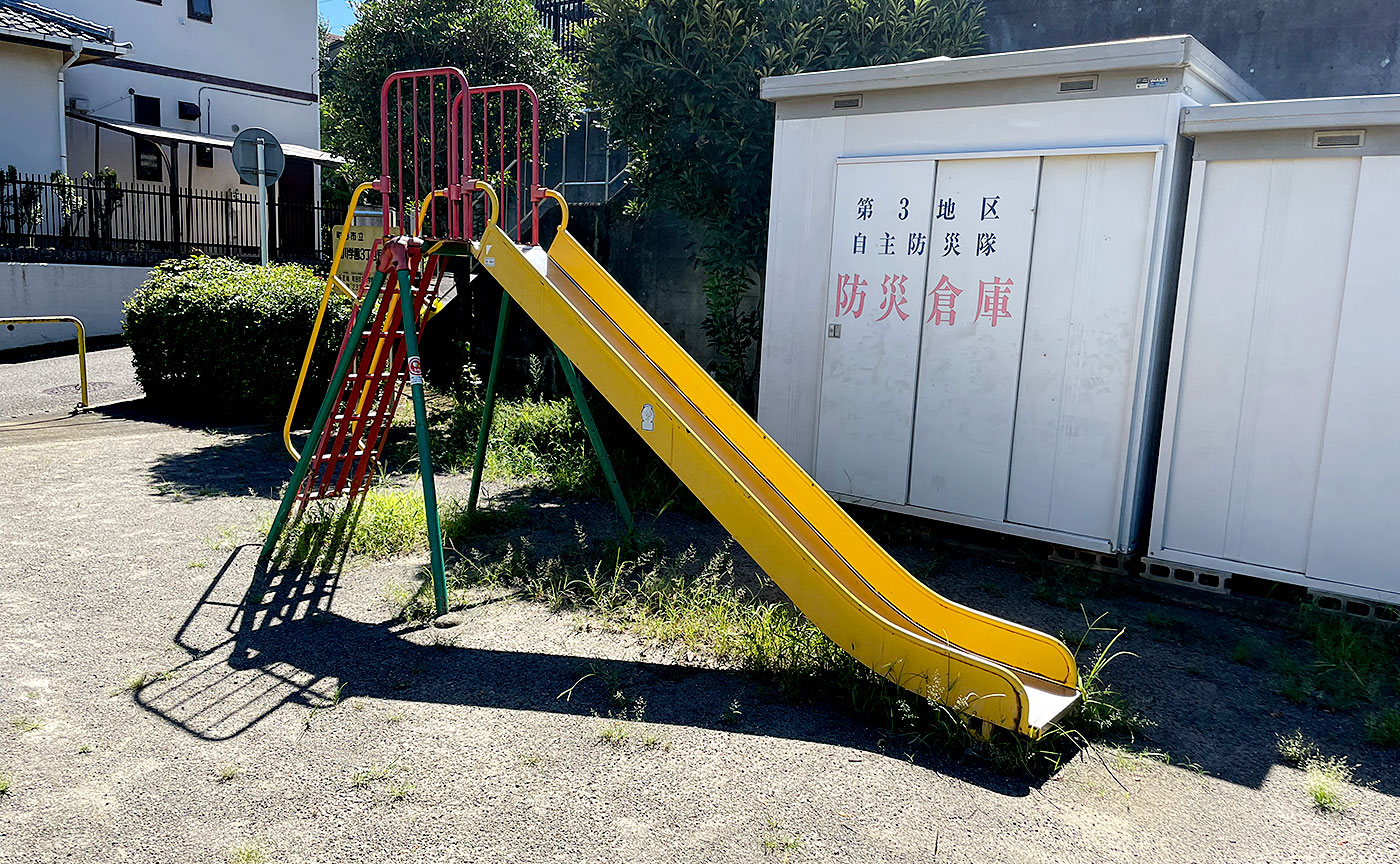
<point>1358,492</point>
<point>874,297</point>
<point>974,315</point>
<point>1083,328</point>
<point>1266,282</point>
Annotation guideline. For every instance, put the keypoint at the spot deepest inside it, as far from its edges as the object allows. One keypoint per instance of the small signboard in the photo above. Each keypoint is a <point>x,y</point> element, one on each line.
<point>358,247</point>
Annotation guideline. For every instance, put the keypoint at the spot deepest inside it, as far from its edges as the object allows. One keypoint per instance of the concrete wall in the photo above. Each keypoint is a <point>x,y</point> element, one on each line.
<point>653,258</point>
<point>29,104</point>
<point>1285,48</point>
<point>93,293</point>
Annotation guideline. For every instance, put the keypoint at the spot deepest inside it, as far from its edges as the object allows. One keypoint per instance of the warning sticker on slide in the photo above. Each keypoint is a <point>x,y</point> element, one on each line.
<point>415,370</point>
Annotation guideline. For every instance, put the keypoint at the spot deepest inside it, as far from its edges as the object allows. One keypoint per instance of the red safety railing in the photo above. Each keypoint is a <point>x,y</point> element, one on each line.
<point>423,126</point>
<point>438,133</point>
<point>503,149</point>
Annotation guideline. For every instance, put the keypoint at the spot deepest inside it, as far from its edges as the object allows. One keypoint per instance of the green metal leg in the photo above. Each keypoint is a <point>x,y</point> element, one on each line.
<point>420,421</point>
<point>484,436</point>
<point>571,375</point>
<point>308,451</point>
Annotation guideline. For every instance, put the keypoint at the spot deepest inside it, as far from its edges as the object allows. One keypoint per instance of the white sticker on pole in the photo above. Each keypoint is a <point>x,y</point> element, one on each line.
<point>415,370</point>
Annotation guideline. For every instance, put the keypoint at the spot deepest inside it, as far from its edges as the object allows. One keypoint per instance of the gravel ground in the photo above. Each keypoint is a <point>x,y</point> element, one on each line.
<point>49,386</point>
<point>129,547</point>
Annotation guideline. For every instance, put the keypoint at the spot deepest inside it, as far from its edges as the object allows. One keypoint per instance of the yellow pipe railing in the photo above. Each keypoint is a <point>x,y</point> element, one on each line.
<point>82,343</point>
<point>332,282</point>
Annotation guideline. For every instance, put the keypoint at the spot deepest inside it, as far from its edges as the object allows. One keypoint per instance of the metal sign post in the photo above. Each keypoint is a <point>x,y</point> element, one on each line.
<point>262,198</point>
<point>258,157</point>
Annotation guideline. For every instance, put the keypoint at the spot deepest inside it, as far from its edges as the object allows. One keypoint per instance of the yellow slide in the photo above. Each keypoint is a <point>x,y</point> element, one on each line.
<point>831,569</point>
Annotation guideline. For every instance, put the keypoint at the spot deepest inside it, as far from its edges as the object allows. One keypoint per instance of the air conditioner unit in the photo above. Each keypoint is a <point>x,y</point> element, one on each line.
<point>78,104</point>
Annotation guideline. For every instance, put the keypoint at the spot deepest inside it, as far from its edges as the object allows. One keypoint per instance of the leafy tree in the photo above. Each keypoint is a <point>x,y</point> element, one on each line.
<point>493,41</point>
<point>677,81</point>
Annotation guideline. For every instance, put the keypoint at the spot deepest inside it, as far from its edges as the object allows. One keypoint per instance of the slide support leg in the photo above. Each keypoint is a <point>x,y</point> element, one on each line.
<point>484,436</point>
<point>596,438</point>
<point>425,461</point>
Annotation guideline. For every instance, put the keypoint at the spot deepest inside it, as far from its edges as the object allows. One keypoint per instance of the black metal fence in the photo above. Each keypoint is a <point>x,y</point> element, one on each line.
<point>562,18</point>
<point>59,218</point>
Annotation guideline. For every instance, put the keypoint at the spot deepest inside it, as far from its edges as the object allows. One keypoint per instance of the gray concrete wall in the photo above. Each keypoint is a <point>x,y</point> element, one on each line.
<point>93,293</point>
<point>1285,48</point>
<point>653,258</point>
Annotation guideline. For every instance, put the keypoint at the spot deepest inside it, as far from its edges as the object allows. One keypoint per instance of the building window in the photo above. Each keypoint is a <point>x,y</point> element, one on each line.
<point>202,10</point>
<point>146,111</point>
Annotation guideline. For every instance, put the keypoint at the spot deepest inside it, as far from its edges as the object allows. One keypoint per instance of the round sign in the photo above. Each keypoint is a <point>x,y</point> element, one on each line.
<point>245,156</point>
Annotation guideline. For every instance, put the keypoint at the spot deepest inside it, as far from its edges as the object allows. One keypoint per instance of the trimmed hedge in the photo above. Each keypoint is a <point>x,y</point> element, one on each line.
<point>217,338</point>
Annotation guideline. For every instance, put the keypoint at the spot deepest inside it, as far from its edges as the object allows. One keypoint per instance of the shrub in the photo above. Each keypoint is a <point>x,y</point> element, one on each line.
<point>216,338</point>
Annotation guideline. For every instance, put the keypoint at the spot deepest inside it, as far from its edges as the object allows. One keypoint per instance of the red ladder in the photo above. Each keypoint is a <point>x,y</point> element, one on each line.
<point>353,439</point>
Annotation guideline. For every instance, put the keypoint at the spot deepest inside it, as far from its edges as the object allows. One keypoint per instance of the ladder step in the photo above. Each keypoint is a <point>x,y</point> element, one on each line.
<point>372,415</point>
<point>372,376</point>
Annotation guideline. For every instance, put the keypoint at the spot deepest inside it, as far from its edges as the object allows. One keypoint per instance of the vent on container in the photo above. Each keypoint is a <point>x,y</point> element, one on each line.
<point>1079,85</point>
<point>1339,138</point>
<point>846,102</point>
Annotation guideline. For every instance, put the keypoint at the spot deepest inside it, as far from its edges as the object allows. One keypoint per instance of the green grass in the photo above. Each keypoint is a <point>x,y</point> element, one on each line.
<point>1383,728</point>
<point>228,773</point>
<point>1297,749</point>
<point>374,773</point>
<point>1325,778</point>
<point>1249,651</point>
<point>401,789</point>
<point>1344,665</point>
<point>614,733</point>
<point>247,852</point>
<point>387,522</point>
<point>27,724</point>
<point>774,840</point>
<point>1326,783</point>
<point>5,781</point>
<point>142,680</point>
<point>709,610</point>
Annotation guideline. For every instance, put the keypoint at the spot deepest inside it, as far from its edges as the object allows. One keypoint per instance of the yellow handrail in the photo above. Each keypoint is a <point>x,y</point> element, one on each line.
<point>82,343</point>
<point>332,282</point>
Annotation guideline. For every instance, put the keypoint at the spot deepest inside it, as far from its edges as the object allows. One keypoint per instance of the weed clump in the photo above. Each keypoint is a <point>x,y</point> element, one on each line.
<point>247,852</point>
<point>1383,728</point>
<point>1325,777</point>
<point>5,781</point>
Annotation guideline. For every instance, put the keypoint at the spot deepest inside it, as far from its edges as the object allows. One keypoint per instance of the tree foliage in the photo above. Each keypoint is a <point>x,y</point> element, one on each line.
<point>493,41</point>
<point>677,81</point>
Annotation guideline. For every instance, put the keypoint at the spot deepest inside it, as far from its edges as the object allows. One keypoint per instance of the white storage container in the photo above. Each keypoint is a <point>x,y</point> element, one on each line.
<point>969,265</point>
<point>1280,453</point>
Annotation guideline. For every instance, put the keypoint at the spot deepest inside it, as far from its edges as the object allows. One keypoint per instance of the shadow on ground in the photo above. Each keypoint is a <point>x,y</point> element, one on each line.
<point>285,645</point>
<point>263,638</point>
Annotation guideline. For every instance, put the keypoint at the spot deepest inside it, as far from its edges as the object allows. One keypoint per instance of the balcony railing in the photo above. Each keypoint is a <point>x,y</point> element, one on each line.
<point>562,18</point>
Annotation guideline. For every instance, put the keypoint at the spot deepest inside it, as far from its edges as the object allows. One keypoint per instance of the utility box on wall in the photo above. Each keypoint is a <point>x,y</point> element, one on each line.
<point>1279,454</point>
<point>970,263</point>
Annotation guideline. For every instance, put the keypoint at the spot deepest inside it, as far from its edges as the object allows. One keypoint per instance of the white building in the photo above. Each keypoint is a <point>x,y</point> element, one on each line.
<point>156,92</point>
<point>36,44</point>
<point>199,71</point>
